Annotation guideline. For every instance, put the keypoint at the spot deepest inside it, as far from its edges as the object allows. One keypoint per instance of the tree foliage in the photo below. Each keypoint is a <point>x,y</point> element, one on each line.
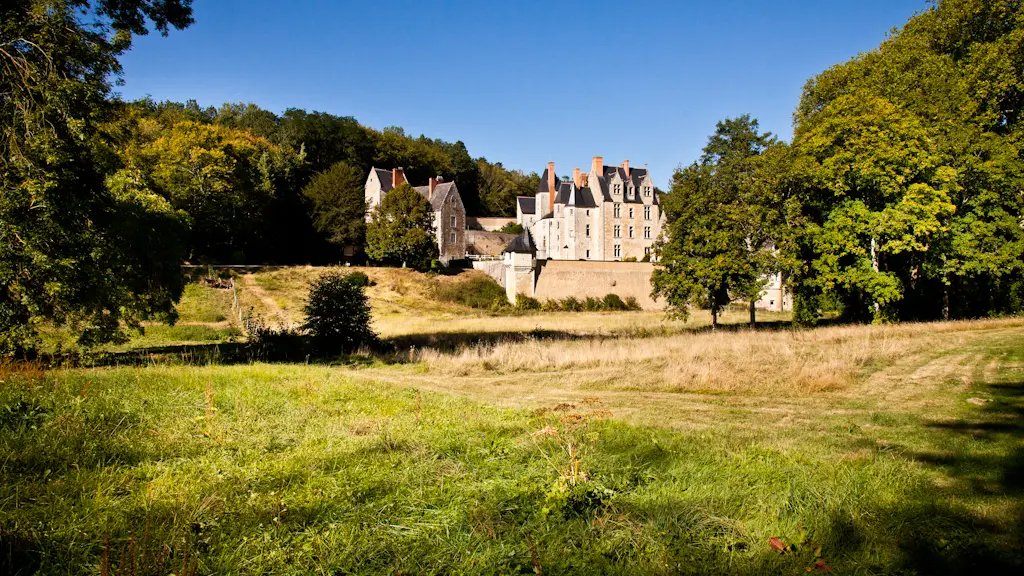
<point>401,230</point>
<point>911,167</point>
<point>721,225</point>
<point>339,204</point>
<point>225,179</point>
<point>73,237</point>
<point>338,314</point>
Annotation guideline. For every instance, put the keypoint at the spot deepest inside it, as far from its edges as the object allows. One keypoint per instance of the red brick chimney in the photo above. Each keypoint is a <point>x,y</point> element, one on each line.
<point>551,187</point>
<point>576,178</point>
<point>625,166</point>
<point>598,165</point>
<point>432,185</point>
<point>397,176</point>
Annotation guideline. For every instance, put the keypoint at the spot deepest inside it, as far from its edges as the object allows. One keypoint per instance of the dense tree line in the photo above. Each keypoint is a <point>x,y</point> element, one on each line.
<point>103,200</point>
<point>305,210</point>
<point>900,197</point>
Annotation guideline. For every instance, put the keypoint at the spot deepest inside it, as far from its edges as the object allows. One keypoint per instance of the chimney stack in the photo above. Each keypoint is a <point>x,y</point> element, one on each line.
<point>598,166</point>
<point>625,166</point>
<point>576,178</point>
<point>551,187</point>
<point>397,176</point>
<point>432,184</point>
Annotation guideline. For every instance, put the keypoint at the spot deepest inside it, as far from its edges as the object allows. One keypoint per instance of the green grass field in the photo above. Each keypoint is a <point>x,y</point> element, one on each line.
<point>866,450</point>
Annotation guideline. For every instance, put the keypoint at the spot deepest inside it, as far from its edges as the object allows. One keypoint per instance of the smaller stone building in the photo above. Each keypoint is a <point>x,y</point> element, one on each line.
<point>444,199</point>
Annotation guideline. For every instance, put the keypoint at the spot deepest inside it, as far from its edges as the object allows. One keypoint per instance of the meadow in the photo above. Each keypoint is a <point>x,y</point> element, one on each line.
<point>544,443</point>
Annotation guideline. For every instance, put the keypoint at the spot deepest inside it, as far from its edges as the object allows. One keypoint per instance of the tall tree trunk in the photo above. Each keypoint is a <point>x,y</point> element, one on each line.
<point>753,315</point>
<point>874,266</point>
<point>945,299</point>
<point>714,317</point>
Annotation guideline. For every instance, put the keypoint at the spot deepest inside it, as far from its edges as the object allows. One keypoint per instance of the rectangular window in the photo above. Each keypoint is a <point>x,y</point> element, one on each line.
<point>647,232</point>
<point>631,213</point>
<point>647,191</point>
<point>647,212</point>
<point>588,230</point>
<point>617,232</point>
<point>630,231</point>
<point>647,251</point>
<point>453,236</point>
<point>588,254</point>
<point>453,221</point>
<point>617,210</point>
<point>617,189</point>
<point>618,251</point>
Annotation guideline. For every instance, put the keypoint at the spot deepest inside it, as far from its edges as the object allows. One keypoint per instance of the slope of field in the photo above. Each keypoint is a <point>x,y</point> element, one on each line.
<point>403,304</point>
<point>860,450</point>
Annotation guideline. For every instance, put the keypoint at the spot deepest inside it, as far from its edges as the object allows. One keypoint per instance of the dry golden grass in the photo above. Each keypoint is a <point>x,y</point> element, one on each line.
<point>403,303</point>
<point>788,362</point>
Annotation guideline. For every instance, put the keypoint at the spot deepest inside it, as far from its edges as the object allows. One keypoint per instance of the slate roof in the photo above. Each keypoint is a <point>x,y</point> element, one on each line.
<point>580,197</point>
<point>636,176</point>
<point>386,184</point>
<point>440,193</point>
<point>527,204</point>
<point>543,185</point>
<point>522,244</point>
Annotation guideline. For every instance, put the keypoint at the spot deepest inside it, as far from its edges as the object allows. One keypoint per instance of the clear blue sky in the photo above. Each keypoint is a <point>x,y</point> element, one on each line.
<point>521,81</point>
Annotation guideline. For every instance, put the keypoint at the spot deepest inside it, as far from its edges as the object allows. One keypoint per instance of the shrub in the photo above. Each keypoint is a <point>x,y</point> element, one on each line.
<point>511,228</point>
<point>550,306</point>
<point>359,279</point>
<point>526,303</point>
<point>592,304</point>
<point>478,292</point>
<point>571,304</point>
<point>337,314</point>
<point>629,259</point>
<point>632,304</point>
<point>613,302</point>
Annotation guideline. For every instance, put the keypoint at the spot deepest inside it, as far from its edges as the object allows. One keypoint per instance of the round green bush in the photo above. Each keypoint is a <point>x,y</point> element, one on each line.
<point>337,314</point>
<point>359,279</point>
<point>613,302</point>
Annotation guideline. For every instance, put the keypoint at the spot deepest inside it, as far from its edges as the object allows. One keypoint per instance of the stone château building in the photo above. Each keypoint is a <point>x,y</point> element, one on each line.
<point>610,213</point>
<point>444,199</point>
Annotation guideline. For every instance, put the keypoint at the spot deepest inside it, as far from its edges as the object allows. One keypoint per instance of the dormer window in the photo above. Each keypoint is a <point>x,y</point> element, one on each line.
<point>647,191</point>
<point>617,189</point>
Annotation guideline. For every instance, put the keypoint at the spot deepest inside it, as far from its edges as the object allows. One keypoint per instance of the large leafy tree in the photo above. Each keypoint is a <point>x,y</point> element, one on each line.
<point>401,230</point>
<point>499,187</point>
<point>72,241</point>
<point>721,225</point>
<point>914,203</point>
<point>339,204</point>
<point>224,179</point>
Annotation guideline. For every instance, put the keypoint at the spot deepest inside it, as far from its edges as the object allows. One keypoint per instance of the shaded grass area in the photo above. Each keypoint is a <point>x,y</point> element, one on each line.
<point>293,469</point>
<point>201,303</point>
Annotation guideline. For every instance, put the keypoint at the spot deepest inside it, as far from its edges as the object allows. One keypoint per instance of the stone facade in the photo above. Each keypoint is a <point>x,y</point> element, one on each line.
<point>445,201</point>
<point>611,213</point>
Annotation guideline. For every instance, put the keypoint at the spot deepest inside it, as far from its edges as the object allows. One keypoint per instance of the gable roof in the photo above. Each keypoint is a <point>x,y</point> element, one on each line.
<point>441,192</point>
<point>386,183</point>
